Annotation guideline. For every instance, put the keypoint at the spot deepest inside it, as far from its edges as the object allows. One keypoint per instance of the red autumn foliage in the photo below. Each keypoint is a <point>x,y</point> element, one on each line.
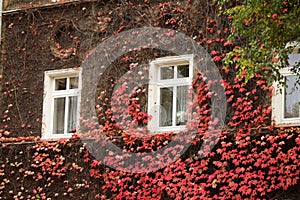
<point>252,159</point>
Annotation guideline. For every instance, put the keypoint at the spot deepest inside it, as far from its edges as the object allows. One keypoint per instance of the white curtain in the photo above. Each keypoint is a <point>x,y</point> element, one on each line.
<point>72,115</point>
<point>181,107</point>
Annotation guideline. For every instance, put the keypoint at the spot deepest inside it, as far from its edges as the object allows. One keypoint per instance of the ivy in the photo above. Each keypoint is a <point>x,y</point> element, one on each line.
<point>252,159</point>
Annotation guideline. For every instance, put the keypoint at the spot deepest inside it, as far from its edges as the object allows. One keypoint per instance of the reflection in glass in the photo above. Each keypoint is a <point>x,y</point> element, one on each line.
<point>61,84</point>
<point>72,115</point>
<point>181,107</point>
<point>59,115</point>
<point>291,98</point>
<point>294,59</point>
<point>73,82</point>
<point>182,71</point>
<point>166,73</point>
<point>166,103</point>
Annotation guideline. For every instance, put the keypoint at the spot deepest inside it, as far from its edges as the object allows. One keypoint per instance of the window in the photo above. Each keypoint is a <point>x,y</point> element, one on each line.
<point>286,104</point>
<point>61,103</point>
<point>170,80</point>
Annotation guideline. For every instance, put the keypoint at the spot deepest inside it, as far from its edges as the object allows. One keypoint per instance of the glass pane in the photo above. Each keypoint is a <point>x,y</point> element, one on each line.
<point>166,105</point>
<point>166,73</point>
<point>72,115</point>
<point>59,115</point>
<point>291,98</point>
<point>73,82</point>
<point>60,84</point>
<point>181,107</point>
<point>294,59</point>
<point>182,71</point>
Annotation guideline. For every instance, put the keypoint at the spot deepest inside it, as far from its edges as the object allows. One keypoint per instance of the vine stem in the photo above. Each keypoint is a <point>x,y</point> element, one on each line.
<point>17,105</point>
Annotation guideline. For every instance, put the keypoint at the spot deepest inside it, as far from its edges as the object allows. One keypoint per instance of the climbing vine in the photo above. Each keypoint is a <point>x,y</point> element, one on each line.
<point>252,159</point>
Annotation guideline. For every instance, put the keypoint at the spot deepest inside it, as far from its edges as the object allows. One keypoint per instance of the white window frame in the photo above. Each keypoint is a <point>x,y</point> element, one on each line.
<point>155,83</point>
<point>278,101</point>
<point>49,94</point>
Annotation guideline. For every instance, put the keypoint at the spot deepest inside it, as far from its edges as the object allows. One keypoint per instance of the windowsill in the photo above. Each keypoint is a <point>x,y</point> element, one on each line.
<point>56,138</point>
<point>285,125</point>
<point>33,140</point>
<point>167,129</point>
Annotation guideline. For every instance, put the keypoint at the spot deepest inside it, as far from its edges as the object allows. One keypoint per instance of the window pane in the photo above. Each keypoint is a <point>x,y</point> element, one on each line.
<point>60,84</point>
<point>73,82</point>
<point>294,59</point>
<point>72,115</point>
<point>291,98</point>
<point>166,73</point>
<point>59,115</point>
<point>182,71</point>
<point>181,107</point>
<point>166,105</point>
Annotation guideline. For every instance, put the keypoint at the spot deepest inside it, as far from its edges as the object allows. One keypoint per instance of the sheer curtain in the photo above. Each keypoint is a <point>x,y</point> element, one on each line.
<point>181,107</point>
<point>72,115</point>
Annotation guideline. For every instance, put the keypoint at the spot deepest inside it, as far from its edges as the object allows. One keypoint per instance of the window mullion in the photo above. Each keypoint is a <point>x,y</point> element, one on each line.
<point>52,89</point>
<point>156,115</point>
<point>174,106</point>
<point>68,84</point>
<point>175,81</point>
<point>52,115</point>
<point>175,72</point>
<point>298,110</point>
<point>283,103</point>
<point>66,114</point>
